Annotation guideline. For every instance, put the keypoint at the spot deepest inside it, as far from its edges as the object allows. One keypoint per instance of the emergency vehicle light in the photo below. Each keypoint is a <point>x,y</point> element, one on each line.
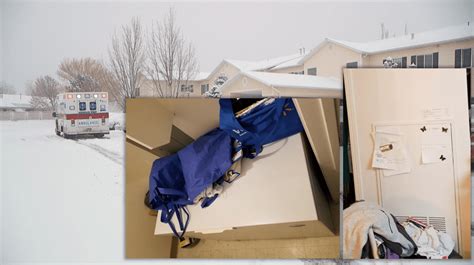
<point>104,95</point>
<point>78,96</point>
<point>95,95</point>
<point>69,96</point>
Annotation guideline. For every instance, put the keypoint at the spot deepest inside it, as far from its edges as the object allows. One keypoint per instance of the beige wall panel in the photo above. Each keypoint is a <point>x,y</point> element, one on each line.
<point>331,59</point>
<point>320,123</point>
<point>421,89</point>
<point>140,241</point>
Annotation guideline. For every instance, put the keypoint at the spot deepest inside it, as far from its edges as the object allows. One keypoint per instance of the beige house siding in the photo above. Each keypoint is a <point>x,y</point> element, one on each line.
<point>148,90</point>
<point>446,53</point>
<point>226,69</point>
<point>330,59</point>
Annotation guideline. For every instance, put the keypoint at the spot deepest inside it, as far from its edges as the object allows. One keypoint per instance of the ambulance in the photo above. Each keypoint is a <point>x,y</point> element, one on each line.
<point>83,113</point>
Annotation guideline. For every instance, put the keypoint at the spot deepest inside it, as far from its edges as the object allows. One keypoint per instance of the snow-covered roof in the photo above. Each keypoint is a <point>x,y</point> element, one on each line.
<point>8,101</point>
<point>283,85</point>
<point>291,63</point>
<point>413,40</point>
<point>201,76</point>
<point>262,64</point>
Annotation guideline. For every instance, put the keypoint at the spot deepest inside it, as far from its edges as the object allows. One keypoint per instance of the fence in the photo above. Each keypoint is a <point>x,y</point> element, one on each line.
<point>27,115</point>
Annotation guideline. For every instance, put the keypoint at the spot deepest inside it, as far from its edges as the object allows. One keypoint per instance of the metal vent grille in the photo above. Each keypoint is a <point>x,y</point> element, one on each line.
<point>438,223</point>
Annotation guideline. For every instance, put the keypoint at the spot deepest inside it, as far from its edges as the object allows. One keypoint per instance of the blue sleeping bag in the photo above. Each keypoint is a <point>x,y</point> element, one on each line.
<point>266,123</point>
<point>175,180</point>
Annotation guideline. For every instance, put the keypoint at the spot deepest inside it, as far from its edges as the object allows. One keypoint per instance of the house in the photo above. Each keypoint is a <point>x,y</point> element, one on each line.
<point>225,70</point>
<point>191,88</point>
<point>19,102</point>
<point>446,47</point>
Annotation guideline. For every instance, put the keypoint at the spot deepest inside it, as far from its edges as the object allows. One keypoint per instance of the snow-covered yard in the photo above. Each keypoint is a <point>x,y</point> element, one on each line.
<point>62,200</point>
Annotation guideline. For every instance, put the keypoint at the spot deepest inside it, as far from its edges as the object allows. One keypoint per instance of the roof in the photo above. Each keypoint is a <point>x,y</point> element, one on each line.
<point>8,101</point>
<point>291,63</point>
<point>261,65</point>
<point>200,76</point>
<point>285,85</point>
<point>413,40</point>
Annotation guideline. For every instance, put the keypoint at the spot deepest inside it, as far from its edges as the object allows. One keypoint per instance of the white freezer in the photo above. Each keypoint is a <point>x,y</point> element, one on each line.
<point>276,195</point>
<point>410,101</point>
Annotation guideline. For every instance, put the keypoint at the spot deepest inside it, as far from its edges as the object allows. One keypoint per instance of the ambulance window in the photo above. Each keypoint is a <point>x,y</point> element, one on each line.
<point>102,107</point>
<point>82,106</point>
<point>92,106</point>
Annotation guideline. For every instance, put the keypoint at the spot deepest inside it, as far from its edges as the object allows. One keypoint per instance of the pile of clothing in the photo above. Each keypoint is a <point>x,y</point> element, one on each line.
<point>371,232</point>
<point>431,243</point>
<point>197,173</point>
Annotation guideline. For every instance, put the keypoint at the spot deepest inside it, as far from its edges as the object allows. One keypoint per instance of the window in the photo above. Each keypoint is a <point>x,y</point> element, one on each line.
<point>396,62</point>
<point>204,88</point>
<point>102,107</point>
<point>92,106</point>
<point>435,59</point>
<point>420,61</point>
<point>425,60</point>
<point>312,71</point>
<point>187,88</point>
<point>429,61</point>
<point>82,106</point>
<point>462,58</point>
<point>351,65</point>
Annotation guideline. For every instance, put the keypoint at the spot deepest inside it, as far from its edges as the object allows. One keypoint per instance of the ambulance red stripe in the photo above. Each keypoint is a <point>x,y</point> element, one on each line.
<point>86,116</point>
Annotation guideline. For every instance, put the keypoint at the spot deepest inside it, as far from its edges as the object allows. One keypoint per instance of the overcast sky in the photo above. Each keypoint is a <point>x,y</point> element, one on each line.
<point>36,36</point>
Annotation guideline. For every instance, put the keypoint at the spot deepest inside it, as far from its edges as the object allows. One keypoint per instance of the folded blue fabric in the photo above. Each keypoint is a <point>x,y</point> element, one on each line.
<point>177,179</point>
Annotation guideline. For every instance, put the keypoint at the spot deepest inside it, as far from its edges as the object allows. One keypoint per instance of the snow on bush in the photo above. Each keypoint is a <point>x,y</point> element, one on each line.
<point>214,91</point>
<point>117,121</point>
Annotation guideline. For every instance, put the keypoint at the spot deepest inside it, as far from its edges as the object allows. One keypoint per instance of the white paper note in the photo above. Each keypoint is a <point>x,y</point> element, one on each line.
<point>390,155</point>
<point>434,154</point>
<point>435,114</point>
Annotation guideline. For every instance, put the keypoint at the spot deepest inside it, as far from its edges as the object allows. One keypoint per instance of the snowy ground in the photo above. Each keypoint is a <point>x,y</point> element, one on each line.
<point>64,194</point>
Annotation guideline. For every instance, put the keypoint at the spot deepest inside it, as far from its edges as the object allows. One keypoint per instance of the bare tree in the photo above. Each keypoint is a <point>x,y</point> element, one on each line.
<point>127,58</point>
<point>83,75</point>
<point>171,59</point>
<point>6,88</point>
<point>45,90</point>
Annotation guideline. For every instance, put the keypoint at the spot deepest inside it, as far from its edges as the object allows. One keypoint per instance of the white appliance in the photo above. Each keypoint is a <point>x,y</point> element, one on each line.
<point>428,109</point>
